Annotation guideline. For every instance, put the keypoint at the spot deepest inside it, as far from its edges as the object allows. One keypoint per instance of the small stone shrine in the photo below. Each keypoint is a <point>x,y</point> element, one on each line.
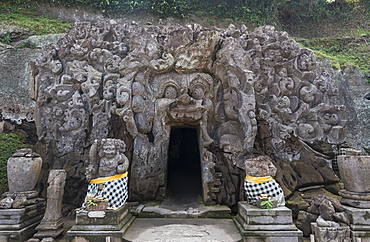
<point>256,223</point>
<point>107,172</point>
<point>20,208</point>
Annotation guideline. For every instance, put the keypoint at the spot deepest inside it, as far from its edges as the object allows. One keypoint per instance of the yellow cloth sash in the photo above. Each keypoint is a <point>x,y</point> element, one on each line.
<point>109,178</point>
<point>255,179</point>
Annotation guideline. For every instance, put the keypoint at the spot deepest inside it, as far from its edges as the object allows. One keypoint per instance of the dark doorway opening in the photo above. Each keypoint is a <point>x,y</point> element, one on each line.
<point>184,182</point>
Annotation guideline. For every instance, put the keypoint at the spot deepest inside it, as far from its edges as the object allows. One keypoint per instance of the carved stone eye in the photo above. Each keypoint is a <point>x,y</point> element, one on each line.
<point>197,93</point>
<point>170,92</point>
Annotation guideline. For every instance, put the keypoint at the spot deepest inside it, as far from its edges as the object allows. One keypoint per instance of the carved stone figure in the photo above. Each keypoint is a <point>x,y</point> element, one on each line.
<point>107,171</point>
<point>259,180</point>
<point>51,224</point>
<point>107,158</point>
<point>246,93</point>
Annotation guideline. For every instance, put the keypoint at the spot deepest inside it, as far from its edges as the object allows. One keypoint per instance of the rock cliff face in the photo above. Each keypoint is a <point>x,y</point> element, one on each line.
<point>16,106</point>
<point>246,94</point>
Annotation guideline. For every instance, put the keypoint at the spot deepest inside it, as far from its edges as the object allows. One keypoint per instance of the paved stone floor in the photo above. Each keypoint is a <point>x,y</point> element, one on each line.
<point>184,230</point>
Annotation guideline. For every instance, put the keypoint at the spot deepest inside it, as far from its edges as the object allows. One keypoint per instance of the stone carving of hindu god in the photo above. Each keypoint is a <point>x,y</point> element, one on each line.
<point>107,171</point>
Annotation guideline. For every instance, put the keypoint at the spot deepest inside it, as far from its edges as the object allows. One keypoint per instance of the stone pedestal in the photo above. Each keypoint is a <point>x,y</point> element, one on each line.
<point>354,171</point>
<point>256,224</point>
<point>360,223</point>
<point>101,225</point>
<point>320,234</point>
<point>19,224</point>
<point>355,199</point>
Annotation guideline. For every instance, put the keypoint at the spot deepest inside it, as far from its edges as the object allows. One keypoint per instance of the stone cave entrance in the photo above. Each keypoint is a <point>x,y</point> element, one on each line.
<point>184,176</point>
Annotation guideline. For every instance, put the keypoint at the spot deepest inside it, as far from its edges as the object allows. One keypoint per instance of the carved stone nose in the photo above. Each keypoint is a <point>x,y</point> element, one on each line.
<point>185,99</point>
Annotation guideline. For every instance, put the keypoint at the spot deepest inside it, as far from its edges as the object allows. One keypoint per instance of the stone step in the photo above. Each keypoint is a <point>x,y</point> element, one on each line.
<point>158,211</point>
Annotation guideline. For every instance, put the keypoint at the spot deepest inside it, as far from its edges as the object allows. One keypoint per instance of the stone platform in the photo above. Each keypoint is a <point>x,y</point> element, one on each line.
<point>19,224</point>
<point>256,224</point>
<point>104,225</point>
<point>360,223</point>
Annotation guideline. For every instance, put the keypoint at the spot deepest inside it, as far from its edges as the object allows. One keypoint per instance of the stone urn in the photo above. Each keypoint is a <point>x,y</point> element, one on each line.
<point>23,170</point>
<point>354,172</point>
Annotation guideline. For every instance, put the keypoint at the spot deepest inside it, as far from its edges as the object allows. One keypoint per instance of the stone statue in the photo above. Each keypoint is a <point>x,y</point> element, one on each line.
<point>259,180</point>
<point>107,158</point>
<point>107,171</point>
<point>52,223</point>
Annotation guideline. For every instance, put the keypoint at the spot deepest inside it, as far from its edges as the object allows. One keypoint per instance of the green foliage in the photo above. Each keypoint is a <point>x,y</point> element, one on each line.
<point>302,11</point>
<point>7,39</point>
<point>251,11</point>
<point>343,51</point>
<point>268,204</point>
<point>38,25</point>
<point>9,144</point>
<point>27,45</point>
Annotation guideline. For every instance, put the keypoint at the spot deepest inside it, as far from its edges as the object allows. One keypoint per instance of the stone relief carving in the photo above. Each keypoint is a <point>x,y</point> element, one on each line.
<point>107,158</point>
<point>247,93</point>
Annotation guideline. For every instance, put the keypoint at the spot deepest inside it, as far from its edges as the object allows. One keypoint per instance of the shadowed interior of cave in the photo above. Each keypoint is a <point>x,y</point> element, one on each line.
<point>184,183</point>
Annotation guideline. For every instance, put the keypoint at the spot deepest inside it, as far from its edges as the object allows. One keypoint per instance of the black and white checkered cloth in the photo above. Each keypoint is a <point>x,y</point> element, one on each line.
<point>115,191</point>
<point>270,188</point>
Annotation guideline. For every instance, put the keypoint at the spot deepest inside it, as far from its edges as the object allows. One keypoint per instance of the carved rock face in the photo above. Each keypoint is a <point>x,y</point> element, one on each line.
<point>245,93</point>
<point>260,166</point>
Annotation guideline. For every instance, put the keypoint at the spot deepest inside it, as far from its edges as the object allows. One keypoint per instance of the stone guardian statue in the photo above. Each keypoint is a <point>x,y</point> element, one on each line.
<point>107,171</point>
<point>259,180</point>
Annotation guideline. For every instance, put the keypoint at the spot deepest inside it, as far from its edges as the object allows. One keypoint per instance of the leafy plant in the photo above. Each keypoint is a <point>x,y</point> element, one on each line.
<point>27,45</point>
<point>92,203</point>
<point>268,204</point>
<point>6,39</point>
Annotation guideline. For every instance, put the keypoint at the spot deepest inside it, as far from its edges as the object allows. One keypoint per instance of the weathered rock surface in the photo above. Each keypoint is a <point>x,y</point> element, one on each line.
<point>16,107</point>
<point>353,86</point>
<point>13,33</point>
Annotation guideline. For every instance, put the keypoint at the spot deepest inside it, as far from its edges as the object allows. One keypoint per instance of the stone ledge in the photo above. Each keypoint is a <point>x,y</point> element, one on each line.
<point>357,216</point>
<point>256,224</point>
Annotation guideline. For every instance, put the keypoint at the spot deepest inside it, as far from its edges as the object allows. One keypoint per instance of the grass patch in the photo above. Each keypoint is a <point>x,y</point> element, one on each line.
<point>25,14</point>
<point>343,51</point>
<point>39,25</point>
<point>9,144</point>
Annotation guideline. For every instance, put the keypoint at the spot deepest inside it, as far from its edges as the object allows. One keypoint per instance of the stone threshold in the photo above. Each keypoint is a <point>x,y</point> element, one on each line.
<point>178,211</point>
